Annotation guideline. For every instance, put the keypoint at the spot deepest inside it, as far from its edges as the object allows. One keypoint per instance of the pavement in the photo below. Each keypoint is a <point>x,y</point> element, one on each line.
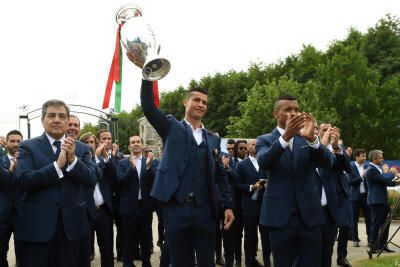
<point>354,253</point>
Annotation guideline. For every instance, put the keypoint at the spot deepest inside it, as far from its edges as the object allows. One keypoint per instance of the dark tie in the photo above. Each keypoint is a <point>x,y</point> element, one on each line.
<point>57,144</point>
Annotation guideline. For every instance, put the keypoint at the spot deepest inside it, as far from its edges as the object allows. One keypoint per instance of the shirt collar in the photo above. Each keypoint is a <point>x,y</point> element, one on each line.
<point>376,166</point>
<point>51,139</point>
<point>281,131</point>
<point>10,157</point>
<point>252,158</point>
<point>191,126</point>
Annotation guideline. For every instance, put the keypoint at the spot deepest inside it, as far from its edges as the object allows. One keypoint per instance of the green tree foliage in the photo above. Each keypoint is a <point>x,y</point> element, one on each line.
<point>354,84</point>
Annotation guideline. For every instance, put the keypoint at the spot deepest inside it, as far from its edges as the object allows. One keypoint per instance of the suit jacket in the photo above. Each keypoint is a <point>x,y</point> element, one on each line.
<point>355,181</point>
<point>9,193</point>
<point>337,177</point>
<point>330,193</point>
<point>248,175</point>
<point>291,183</point>
<point>177,137</point>
<point>377,183</point>
<point>130,183</point>
<point>45,194</point>
<point>106,174</point>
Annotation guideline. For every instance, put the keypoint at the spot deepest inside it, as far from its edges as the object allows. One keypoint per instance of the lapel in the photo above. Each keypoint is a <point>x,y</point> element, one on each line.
<point>296,149</point>
<point>251,167</point>
<point>6,161</point>
<point>209,152</point>
<point>46,147</point>
<point>189,136</point>
<point>287,153</point>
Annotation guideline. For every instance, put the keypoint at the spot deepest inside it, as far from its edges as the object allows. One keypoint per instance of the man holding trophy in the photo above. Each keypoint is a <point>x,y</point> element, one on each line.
<point>189,173</point>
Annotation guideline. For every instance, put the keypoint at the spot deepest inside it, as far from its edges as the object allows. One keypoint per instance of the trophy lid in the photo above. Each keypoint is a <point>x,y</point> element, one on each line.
<point>126,12</point>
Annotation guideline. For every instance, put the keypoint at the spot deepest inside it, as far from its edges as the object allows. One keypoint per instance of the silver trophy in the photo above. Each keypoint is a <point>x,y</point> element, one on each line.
<point>138,37</point>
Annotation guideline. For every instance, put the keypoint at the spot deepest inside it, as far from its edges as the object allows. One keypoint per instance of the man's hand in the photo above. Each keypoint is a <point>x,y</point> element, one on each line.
<point>136,58</point>
<point>132,160</point>
<point>308,130</point>
<point>115,150</point>
<point>225,162</point>
<point>100,150</point>
<point>325,140</point>
<point>149,159</point>
<point>258,185</point>
<point>335,136</point>
<point>69,146</point>
<point>293,125</point>
<point>229,218</point>
<point>2,141</point>
<point>62,159</point>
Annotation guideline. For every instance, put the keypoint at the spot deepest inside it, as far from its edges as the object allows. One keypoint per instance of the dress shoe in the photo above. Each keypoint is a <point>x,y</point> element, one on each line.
<point>343,262</point>
<point>220,261</point>
<point>356,244</point>
<point>386,249</point>
<point>256,263</point>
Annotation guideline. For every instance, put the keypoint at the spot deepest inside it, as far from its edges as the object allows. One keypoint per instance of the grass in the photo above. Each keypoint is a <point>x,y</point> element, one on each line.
<point>382,261</point>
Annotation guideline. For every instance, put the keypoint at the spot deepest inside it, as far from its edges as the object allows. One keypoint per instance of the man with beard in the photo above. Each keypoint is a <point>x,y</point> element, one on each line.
<point>9,195</point>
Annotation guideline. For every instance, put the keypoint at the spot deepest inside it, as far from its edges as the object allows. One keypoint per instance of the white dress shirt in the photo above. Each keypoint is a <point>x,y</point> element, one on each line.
<point>360,168</point>
<point>289,144</point>
<point>197,133</point>
<point>138,164</point>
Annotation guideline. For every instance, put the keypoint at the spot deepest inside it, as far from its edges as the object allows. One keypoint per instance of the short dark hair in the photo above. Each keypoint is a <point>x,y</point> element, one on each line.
<point>358,151</point>
<point>54,103</point>
<point>102,131</point>
<point>14,132</point>
<point>230,142</point>
<point>74,116</point>
<point>283,97</point>
<point>196,89</point>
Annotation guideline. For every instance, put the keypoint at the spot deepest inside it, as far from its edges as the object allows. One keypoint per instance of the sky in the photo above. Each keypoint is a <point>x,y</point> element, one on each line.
<point>63,49</point>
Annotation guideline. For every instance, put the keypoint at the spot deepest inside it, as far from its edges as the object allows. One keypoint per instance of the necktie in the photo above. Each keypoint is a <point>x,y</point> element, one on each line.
<point>57,144</point>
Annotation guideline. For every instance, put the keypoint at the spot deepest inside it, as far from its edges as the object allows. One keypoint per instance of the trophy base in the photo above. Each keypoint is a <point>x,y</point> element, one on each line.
<point>156,69</point>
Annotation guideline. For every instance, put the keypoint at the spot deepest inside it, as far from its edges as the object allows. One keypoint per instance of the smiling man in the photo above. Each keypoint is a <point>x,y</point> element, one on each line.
<point>187,177</point>
<point>53,171</point>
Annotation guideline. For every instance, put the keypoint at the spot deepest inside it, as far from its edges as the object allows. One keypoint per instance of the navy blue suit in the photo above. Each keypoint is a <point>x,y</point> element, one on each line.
<point>378,202</point>
<point>336,174</point>
<point>9,198</point>
<point>247,175</point>
<point>329,227</point>
<point>190,223</point>
<point>359,200</point>
<point>291,206</point>
<point>52,216</point>
<point>101,216</point>
<point>135,213</point>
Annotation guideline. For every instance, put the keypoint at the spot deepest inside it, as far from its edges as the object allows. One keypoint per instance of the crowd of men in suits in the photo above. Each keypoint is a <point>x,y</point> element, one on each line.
<point>294,188</point>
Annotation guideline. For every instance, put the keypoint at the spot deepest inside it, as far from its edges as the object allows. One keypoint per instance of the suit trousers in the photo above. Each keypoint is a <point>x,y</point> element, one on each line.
<point>250,220</point>
<point>379,213</point>
<point>189,228</point>
<point>103,226</point>
<point>296,241</point>
<point>328,234</point>
<point>356,207</point>
<point>58,252</point>
<point>6,229</point>
<point>137,229</point>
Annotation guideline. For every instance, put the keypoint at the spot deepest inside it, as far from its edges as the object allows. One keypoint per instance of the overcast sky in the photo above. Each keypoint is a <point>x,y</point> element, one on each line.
<point>63,49</point>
